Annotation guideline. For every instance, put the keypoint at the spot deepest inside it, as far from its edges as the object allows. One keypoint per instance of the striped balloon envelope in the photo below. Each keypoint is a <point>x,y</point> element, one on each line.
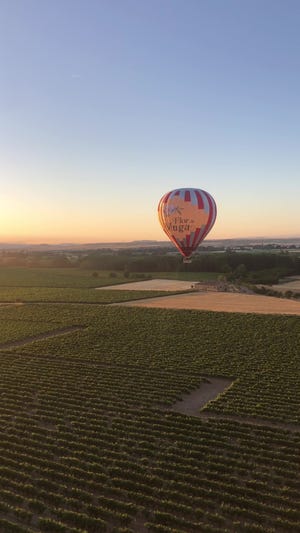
<point>187,216</point>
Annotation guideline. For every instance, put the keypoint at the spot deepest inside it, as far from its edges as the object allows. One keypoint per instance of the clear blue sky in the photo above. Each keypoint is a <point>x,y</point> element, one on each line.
<point>106,105</point>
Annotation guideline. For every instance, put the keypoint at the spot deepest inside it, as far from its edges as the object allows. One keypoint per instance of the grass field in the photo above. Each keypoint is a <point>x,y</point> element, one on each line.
<point>80,278</point>
<point>65,285</point>
<point>57,277</point>
<point>89,441</point>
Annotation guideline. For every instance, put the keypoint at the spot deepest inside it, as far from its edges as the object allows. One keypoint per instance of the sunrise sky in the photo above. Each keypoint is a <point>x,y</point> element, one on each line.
<point>105,105</point>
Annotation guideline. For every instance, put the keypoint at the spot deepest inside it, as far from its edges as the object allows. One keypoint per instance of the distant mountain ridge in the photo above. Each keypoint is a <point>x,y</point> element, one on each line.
<point>288,241</point>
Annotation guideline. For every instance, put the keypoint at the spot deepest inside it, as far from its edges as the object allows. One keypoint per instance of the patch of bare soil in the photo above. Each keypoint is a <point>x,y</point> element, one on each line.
<point>27,340</point>
<point>222,301</point>
<point>191,403</point>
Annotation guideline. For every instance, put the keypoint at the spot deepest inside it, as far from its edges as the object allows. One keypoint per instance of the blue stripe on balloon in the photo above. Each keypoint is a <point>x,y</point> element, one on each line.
<point>194,200</point>
<point>205,202</point>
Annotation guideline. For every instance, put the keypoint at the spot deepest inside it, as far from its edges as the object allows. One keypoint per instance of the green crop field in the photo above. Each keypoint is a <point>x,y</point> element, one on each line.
<point>90,443</point>
<point>66,285</point>
<point>80,278</point>
<point>56,277</point>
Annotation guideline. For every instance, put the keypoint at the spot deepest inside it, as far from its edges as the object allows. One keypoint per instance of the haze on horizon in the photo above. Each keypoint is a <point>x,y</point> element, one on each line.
<point>106,106</point>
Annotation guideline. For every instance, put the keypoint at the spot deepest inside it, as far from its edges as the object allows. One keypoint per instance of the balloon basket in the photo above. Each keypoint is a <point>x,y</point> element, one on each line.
<point>187,260</point>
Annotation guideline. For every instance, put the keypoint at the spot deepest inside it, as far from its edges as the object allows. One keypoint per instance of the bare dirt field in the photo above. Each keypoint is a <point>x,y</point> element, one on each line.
<point>191,403</point>
<point>152,285</point>
<point>222,301</point>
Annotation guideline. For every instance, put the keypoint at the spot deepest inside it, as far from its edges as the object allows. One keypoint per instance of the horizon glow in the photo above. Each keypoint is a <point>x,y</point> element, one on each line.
<point>106,107</point>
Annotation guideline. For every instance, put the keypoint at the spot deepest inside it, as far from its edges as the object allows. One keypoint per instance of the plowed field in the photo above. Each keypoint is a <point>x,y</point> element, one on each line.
<point>222,301</point>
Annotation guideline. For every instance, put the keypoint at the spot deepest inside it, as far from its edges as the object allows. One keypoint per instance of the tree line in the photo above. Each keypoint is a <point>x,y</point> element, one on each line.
<point>251,267</point>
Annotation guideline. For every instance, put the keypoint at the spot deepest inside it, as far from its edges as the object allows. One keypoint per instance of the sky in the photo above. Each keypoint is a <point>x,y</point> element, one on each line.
<point>106,105</point>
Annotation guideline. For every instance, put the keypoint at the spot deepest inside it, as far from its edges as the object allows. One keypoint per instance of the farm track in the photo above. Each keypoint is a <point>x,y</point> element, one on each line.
<point>53,333</point>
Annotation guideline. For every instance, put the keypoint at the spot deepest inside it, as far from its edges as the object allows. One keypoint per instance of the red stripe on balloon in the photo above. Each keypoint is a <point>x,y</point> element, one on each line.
<point>201,235</point>
<point>166,197</point>
<point>177,244</point>
<point>193,244</point>
<point>177,193</point>
<point>212,213</point>
<point>180,246</point>
<point>159,205</point>
<point>187,196</point>
<point>199,199</point>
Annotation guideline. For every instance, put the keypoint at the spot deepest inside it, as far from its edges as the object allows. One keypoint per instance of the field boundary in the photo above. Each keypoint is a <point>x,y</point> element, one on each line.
<point>40,336</point>
<point>248,420</point>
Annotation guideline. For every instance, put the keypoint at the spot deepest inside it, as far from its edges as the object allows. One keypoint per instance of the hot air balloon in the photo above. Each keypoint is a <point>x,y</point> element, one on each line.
<point>187,216</point>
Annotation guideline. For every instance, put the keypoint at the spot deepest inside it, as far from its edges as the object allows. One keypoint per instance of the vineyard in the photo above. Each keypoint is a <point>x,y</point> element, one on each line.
<point>89,441</point>
<point>72,295</point>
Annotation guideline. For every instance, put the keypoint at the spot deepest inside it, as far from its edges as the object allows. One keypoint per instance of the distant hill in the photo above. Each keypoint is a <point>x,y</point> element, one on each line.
<point>224,243</point>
